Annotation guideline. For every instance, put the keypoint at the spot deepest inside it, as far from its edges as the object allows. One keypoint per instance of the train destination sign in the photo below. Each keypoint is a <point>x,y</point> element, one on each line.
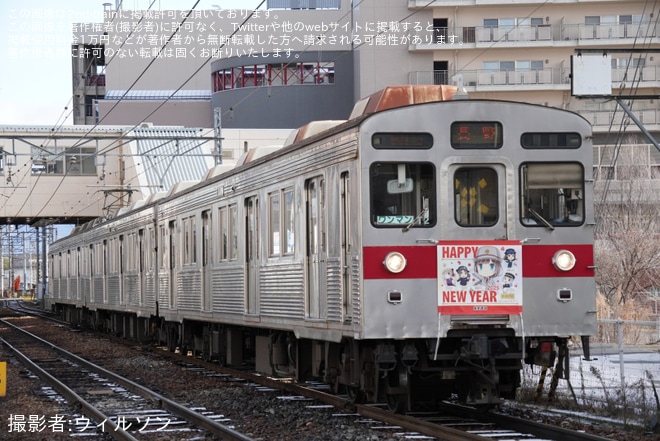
<point>476,135</point>
<point>483,277</point>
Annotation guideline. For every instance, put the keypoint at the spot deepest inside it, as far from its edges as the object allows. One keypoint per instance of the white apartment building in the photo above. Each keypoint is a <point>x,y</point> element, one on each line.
<point>312,59</point>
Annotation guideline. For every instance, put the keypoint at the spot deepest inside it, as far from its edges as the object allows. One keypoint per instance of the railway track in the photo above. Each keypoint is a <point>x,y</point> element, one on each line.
<point>451,423</point>
<point>111,404</point>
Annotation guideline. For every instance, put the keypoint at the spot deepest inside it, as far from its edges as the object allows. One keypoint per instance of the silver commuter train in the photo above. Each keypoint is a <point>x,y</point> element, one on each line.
<point>423,248</point>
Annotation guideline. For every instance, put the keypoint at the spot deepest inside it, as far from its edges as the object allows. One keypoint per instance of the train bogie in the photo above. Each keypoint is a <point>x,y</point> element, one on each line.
<point>406,255</point>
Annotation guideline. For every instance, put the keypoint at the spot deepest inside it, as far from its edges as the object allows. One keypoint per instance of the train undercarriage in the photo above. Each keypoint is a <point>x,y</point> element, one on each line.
<point>476,367</point>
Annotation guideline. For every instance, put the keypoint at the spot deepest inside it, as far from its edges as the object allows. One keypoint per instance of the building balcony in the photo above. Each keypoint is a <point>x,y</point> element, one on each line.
<point>548,35</point>
<point>558,78</point>
<point>606,120</point>
<point>421,4</point>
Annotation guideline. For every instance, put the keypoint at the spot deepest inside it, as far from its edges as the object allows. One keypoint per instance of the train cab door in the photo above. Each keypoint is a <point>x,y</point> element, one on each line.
<point>480,201</point>
<point>206,259</point>
<point>315,209</point>
<point>252,254</point>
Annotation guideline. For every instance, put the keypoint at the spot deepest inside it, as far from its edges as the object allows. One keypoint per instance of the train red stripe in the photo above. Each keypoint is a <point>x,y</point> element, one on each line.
<point>423,261</point>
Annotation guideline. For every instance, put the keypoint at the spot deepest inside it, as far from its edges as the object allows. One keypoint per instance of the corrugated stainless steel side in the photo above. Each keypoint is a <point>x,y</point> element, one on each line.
<point>189,290</point>
<point>55,288</point>
<point>164,291</point>
<point>228,293</point>
<point>132,289</point>
<point>150,291</point>
<point>85,289</point>
<point>333,290</point>
<point>74,293</point>
<point>113,290</point>
<point>356,293</point>
<point>99,286</point>
<point>282,291</point>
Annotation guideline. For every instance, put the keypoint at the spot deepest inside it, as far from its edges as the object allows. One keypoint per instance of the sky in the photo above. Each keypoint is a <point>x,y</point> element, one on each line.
<point>35,42</point>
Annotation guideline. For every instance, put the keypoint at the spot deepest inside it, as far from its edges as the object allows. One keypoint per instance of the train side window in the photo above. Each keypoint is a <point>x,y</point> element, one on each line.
<point>476,193</point>
<point>402,194</point>
<point>552,194</point>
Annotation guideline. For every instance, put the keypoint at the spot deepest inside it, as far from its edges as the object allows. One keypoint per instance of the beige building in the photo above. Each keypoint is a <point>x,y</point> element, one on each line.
<point>312,59</point>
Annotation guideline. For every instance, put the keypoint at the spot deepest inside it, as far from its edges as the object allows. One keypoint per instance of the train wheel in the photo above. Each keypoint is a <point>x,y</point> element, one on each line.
<point>397,390</point>
<point>355,395</point>
<point>397,403</point>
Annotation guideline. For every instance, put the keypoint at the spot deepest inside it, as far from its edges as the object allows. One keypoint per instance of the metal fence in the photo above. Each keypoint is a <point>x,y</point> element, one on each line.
<point>620,378</point>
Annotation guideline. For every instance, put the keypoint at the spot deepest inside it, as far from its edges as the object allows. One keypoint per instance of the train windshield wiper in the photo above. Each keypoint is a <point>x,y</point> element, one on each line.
<point>541,219</point>
<point>414,221</point>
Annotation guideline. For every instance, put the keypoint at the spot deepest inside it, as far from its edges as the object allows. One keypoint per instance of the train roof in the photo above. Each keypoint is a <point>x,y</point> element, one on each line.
<point>388,98</point>
<point>398,96</point>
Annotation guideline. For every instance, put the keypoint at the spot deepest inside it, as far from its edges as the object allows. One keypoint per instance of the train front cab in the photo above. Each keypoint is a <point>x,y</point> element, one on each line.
<point>477,245</point>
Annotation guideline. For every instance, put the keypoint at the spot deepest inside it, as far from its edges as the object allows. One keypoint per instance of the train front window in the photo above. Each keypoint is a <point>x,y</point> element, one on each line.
<point>402,194</point>
<point>552,194</point>
<point>476,197</point>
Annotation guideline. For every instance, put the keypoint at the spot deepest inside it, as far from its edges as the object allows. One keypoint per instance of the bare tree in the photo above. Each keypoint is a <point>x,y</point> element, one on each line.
<point>627,250</point>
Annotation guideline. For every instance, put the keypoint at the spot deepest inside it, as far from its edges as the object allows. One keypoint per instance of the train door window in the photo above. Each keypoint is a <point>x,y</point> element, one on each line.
<point>402,194</point>
<point>281,216</point>
<point>274,224</point>
<point>91,260</point>
<point>288,221</point>
<point>164,261</point>
<point>223,237</point>
<point>105,258</point>
<point>189,241</point>
<point>206,237</point>
<point>552,194</point>
<point>476,197</point>
<point>172,249</point>
<point>141,253</point>
<point>112,260</point>
<point>233,232</point>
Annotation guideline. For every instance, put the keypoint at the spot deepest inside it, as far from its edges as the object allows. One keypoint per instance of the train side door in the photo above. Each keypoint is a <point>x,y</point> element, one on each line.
<point>120,267</point>
<point>345,233</point>
<point>251,253</point>
<point>172,262</point>
<point>315,204</point>
<point>139,299</point>
<point>206,259</point>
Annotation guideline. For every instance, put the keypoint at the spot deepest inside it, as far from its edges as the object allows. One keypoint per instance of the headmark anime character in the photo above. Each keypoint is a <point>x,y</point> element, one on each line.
<point>508,280</point>
<point>449,277</point>
<point>487,265</point>
<point>463,275</point>
<point>509,257</point>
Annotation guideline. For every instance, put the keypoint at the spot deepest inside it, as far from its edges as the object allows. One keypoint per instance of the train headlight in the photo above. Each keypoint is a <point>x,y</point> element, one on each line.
<point>563,260</point>
<point>394,262</point>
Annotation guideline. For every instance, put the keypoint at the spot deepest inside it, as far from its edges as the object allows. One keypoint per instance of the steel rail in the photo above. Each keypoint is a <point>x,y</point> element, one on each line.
<point>222,431</point>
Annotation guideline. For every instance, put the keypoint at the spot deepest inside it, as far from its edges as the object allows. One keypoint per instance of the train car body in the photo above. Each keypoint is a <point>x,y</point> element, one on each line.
<point>423,248</point>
